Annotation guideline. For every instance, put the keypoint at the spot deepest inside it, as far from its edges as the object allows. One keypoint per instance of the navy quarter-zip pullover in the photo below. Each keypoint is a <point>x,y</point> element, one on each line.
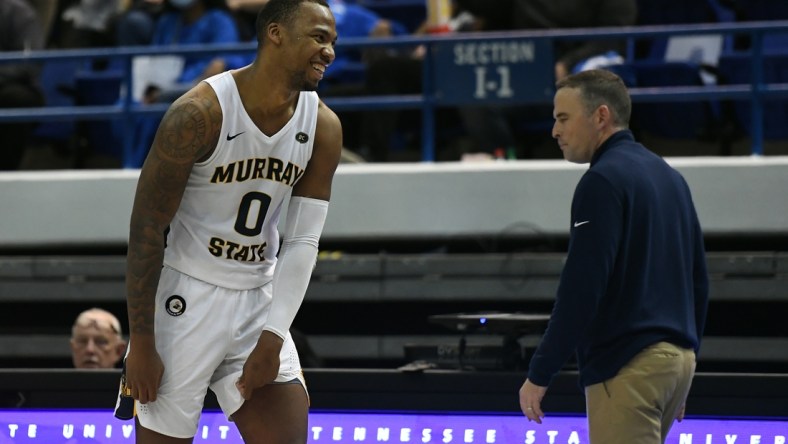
<point>635,273</point>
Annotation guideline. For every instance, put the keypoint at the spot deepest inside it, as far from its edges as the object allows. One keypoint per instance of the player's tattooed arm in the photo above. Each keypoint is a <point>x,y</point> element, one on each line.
<point>188,133</point>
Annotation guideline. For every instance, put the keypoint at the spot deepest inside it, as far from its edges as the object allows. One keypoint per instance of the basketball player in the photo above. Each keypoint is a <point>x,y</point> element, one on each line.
<point>209,300</point>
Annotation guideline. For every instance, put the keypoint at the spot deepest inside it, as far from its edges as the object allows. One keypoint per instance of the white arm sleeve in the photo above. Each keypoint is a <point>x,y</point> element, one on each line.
<point>305,220</point>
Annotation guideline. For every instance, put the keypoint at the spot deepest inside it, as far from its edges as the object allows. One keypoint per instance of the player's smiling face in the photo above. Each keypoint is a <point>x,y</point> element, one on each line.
<point>314,36</point>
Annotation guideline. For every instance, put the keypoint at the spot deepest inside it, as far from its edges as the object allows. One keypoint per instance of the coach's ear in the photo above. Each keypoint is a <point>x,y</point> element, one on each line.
<point>603,117</point>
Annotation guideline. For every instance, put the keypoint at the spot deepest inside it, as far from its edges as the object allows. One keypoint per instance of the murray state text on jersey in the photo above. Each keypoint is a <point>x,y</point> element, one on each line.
<point>266,168</point>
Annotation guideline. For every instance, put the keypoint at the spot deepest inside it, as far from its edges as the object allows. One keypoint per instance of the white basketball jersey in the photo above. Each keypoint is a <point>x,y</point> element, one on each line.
<point>225,230</point>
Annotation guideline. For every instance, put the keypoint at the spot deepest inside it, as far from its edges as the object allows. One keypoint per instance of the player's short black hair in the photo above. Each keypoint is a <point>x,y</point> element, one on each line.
<point>279,11</point>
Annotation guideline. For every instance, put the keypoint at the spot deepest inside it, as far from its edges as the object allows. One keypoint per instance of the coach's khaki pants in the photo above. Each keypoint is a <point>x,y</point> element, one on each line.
<point>639,404</point>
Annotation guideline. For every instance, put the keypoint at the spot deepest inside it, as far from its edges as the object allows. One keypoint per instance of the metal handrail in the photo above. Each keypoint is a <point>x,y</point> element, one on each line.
<point>757,91</point>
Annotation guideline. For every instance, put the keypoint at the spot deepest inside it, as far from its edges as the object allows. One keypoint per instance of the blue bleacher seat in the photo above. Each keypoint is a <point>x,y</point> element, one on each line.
<point>99,88</point>
<point>764,10</point>
<point>57,83</point>
<point>669,12</point>
<point>736,68</point>
<point>410,13</point>
<point>688,120</point>
<point>627,73</point>
<point>676,61</point>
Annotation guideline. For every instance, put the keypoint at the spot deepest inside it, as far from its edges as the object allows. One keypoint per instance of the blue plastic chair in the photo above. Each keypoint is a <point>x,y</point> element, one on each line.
<point>737,69</point>
<point>99,88</point>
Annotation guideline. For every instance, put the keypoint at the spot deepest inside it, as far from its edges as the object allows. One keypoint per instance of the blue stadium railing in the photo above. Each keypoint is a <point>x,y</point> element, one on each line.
<point>757,91</point>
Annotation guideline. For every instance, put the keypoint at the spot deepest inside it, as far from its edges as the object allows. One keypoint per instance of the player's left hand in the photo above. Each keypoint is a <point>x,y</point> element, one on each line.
<point>531,401</point>
<point>262,365</point>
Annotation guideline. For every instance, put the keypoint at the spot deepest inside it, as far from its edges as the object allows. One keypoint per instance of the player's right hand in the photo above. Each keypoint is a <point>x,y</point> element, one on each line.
<point>262,365</point>
<point>144,371</point>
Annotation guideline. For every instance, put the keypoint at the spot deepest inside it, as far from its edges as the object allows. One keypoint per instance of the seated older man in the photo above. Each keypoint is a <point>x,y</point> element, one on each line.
<point>96,340</point>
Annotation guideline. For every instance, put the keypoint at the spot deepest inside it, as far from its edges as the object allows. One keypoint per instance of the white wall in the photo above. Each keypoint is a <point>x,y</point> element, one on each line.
<point>415,200</point>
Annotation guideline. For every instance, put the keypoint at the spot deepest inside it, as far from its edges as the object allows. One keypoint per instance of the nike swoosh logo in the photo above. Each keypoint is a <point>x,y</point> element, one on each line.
<point>577,224</point>
<point>229,137</point>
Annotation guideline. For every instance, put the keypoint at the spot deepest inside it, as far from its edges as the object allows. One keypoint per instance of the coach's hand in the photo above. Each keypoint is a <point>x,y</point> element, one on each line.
<point>144,369</point>
<point>262,365</point>
<point>680,413</point>
<point>531,401</point>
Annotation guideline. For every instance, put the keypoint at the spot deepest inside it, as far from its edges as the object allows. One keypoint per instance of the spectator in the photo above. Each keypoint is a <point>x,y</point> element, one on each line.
<point>164,78</point>
<point>46,11</point>
<point>345,76</point>
<point>245,12</point>
<point>196,22</point>
<point>96,340</point>
<point>357,21</point>
<point>20,30</point>
<point>400,74</point>
<point>86,24</point>
<point>550,14</point>
<point>135,26</point>
<point>491,127</point>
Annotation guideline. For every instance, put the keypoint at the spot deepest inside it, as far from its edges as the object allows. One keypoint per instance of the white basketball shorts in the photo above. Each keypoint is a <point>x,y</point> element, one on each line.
<point>204,334</point>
